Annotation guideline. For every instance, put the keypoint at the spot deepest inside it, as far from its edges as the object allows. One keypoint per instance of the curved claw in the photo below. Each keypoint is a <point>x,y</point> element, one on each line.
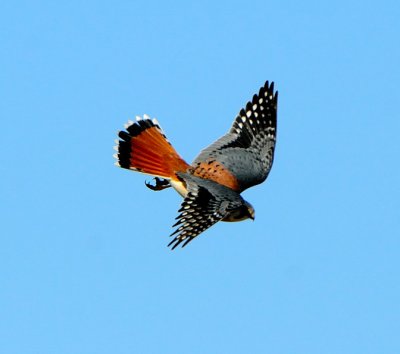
<point>159,185</point>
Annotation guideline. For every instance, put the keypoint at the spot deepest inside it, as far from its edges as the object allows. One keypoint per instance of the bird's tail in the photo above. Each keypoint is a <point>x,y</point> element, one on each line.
<point>143,147</point>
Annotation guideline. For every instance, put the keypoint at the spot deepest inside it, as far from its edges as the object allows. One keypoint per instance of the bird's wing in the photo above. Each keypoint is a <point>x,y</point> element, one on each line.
<point>247,150</point>
<point>206,203</point>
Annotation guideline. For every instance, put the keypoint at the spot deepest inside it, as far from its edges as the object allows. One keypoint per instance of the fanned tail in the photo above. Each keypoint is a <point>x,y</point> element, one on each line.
<point>143,147</point>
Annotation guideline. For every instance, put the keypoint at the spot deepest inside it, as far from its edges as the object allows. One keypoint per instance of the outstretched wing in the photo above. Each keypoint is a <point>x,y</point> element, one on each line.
<point>205,204</point>
<point>247,150</point>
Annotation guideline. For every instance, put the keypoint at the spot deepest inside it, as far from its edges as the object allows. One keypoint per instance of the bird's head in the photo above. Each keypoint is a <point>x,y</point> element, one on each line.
<point>245,211</point>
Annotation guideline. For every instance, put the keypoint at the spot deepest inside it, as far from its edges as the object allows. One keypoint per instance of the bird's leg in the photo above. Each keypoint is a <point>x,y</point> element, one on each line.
<point>159,185</point>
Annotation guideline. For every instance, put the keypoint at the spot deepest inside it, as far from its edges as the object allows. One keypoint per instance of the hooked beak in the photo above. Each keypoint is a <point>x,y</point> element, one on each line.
<point>252,215</point>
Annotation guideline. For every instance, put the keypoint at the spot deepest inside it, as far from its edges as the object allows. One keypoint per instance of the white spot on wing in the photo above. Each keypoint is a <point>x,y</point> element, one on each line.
<point>248,114</point>
<point>145,116</point>
<point>243,119</point>
<point>240,125</point>
<point>254,107</point>
<point>138,118</point>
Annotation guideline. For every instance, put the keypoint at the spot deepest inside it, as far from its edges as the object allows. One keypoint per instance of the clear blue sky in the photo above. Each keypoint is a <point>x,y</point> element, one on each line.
<point>84,266</point>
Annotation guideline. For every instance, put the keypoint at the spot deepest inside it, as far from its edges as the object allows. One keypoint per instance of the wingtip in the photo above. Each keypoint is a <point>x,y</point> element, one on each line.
<point>186,242</point>
<point>171,243</point>
<point>268,90</point>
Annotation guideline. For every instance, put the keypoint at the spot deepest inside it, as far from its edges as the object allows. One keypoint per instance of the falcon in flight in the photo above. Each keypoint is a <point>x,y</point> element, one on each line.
<point>212,184</point>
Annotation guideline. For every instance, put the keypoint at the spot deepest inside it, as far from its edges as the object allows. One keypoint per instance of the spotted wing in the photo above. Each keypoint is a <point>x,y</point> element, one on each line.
<point>247,150</point>
<point>206,203</point>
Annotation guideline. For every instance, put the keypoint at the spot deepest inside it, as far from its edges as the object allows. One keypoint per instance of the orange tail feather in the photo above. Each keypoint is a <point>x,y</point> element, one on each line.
<point>144,148</point>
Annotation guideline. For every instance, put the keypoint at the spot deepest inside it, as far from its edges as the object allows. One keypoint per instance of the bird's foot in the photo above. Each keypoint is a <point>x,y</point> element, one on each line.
<point>159,185</point>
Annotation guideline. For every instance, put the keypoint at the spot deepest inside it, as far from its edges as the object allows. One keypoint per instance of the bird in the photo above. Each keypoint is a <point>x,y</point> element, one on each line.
<point>212,183</point>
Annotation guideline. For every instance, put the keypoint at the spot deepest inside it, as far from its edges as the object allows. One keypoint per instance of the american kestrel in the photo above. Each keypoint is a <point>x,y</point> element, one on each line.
<point>212,184</point>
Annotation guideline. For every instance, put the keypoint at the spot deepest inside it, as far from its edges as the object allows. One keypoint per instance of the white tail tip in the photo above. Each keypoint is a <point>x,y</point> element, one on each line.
<point>128,124</point>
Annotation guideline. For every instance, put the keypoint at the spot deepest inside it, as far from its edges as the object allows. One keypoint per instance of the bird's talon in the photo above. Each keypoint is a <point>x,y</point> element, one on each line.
<point>159,185</point>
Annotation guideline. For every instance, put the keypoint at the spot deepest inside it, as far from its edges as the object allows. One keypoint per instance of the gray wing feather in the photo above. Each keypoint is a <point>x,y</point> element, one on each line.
<point>206,203</point>
<point>247,150</point>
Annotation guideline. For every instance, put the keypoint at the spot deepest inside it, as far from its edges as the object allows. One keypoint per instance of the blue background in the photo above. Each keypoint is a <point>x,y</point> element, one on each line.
<point>83,259</point>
